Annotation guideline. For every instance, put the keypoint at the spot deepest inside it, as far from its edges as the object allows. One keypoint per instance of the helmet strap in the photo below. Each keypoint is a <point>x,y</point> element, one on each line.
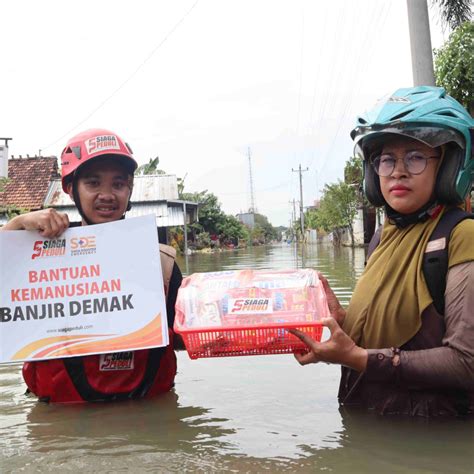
<point>422,215</point>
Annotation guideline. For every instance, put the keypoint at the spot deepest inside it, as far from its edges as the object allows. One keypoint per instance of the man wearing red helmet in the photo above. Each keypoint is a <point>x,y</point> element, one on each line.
<point>97,169</point>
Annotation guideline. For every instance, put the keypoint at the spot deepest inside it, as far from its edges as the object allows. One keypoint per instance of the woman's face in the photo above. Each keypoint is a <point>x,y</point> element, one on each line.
<point>104,189</point>
<point>403,191</point>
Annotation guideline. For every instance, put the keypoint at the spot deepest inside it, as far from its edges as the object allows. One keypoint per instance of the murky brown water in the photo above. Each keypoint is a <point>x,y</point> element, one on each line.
<point>240,414</point>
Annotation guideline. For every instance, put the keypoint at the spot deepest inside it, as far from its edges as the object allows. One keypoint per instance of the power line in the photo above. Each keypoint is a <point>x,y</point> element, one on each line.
<point>301,74</point>
<point>266,190</point>
<point>127,80</point>
<point>367,48</point>
<point>318,63</point>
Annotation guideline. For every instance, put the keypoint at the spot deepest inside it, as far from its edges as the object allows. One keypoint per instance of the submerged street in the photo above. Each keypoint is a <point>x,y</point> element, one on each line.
<point>254,414</point>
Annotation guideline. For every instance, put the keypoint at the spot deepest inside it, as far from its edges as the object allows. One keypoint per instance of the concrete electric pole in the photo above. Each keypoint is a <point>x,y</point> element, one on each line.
<point>299,170</point>
<point>420,43</point>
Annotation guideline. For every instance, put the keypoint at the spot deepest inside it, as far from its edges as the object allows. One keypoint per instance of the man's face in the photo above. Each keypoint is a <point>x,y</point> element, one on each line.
<point>104,188</point>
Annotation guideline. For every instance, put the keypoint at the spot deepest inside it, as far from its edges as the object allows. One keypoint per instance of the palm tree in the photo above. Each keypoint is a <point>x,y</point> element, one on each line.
<point>454,12</point>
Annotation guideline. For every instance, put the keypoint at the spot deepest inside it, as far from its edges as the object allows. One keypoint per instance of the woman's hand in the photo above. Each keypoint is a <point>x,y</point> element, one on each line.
<point>337,311</point>
<point>49,222</point>
<point>338,349</point>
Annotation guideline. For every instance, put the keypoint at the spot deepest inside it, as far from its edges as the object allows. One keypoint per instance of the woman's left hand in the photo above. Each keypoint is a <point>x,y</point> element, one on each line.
<point>338,349</point>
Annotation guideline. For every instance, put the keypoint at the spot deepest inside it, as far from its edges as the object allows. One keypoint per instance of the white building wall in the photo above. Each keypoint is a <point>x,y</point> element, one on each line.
<point>311,236</point>
<point>358,227</point>
<point>3,161</point>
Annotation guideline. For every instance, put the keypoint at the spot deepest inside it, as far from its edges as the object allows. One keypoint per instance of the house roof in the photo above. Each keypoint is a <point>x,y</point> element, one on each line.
<point>167,213</point>
<point>152,194</point>
<point>147,188</point>
<point>28,181</point>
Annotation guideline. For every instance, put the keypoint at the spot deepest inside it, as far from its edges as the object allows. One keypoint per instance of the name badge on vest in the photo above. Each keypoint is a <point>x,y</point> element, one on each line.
<point>438,244</point>
<point>116,361</point>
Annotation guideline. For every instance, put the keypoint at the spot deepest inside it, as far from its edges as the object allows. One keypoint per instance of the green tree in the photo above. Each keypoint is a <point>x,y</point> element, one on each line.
<point>353,172</point>
<point>181,186</point>
<point>12,211</point>
<point>280,230</point>
<point>257,235</point>
<point>297,229</point>
<point>213,221</point>
<point>269,232</point>
<point>8,209</point>
<point>454,65</point>
<point>338,207</point>
<point>149,168</point>
<point>3,183</point>
<point>203,240</point>
<point>354,175</point>
<point>454,12</point>
<point>231,230</point>
<point>311,219</point>
<point>210,213</point>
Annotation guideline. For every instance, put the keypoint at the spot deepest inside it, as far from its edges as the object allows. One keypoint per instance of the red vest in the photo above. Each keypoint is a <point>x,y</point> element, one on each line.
<point>115,376</point>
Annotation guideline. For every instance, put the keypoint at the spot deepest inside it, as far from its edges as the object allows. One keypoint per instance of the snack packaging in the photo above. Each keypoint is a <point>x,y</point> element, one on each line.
<point>249,312</point>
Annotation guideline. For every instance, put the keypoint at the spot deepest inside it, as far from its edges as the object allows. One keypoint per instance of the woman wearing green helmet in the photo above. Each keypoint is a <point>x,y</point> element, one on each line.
<point>400,355</point>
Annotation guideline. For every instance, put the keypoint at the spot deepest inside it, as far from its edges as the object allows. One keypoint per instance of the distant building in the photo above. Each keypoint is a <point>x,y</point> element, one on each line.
<point>247,218</point>
<point>35,183</point>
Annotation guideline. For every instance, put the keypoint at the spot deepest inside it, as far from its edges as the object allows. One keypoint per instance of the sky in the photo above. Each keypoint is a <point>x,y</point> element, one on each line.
<point>203,84</point>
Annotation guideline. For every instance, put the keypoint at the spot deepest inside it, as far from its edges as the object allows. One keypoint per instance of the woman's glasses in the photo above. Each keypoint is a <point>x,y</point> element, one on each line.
<point>415,163</point>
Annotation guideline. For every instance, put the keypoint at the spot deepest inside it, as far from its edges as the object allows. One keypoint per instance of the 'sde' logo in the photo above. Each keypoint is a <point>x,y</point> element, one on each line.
<point>83,242</point>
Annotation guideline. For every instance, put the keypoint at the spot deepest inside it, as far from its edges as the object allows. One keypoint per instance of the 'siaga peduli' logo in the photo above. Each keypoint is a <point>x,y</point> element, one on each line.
<point>48,248</point>
<point>102,143</point>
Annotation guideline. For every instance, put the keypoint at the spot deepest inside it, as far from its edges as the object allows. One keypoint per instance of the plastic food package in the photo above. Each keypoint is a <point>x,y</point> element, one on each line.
<point>248,312</point>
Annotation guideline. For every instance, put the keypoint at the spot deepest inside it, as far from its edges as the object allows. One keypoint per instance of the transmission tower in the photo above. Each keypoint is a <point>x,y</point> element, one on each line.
<point>252,208</point>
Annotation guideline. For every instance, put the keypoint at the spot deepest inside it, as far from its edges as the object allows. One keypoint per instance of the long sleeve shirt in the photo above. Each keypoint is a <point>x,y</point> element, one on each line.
<point>433,373</point>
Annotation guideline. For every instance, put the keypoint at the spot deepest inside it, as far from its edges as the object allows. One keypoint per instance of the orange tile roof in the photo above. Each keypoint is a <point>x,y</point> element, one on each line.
<point>28,182</point>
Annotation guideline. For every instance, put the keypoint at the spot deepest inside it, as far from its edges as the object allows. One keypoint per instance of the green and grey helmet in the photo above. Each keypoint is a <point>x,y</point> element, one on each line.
<point>431,116</point>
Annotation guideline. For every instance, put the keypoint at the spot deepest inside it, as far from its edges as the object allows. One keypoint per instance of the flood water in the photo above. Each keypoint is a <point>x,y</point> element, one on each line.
<point>234,414</point>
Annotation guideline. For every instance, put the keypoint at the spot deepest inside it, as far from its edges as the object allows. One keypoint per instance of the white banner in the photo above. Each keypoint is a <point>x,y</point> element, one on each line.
<point>95,289</point>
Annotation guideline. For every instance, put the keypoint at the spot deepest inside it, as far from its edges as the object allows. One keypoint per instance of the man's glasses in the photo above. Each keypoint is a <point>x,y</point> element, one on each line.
<point>415,163</point>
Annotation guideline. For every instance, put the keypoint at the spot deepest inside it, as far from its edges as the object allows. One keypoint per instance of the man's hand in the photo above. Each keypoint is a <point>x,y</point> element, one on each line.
<point>338,349</point>
<point>48,222</point>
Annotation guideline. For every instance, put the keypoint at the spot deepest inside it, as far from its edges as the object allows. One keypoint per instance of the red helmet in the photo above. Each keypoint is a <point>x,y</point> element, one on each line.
<point>90,145</point>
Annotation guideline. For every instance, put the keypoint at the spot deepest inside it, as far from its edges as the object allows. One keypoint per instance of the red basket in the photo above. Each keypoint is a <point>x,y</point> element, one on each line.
<point>249,312</point>
<point>244,341</point>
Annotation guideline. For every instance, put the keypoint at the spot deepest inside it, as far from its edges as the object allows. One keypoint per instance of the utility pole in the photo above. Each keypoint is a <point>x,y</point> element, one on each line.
<point>299,170</point>
<point>185,238</point>
<point>420,43</point>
